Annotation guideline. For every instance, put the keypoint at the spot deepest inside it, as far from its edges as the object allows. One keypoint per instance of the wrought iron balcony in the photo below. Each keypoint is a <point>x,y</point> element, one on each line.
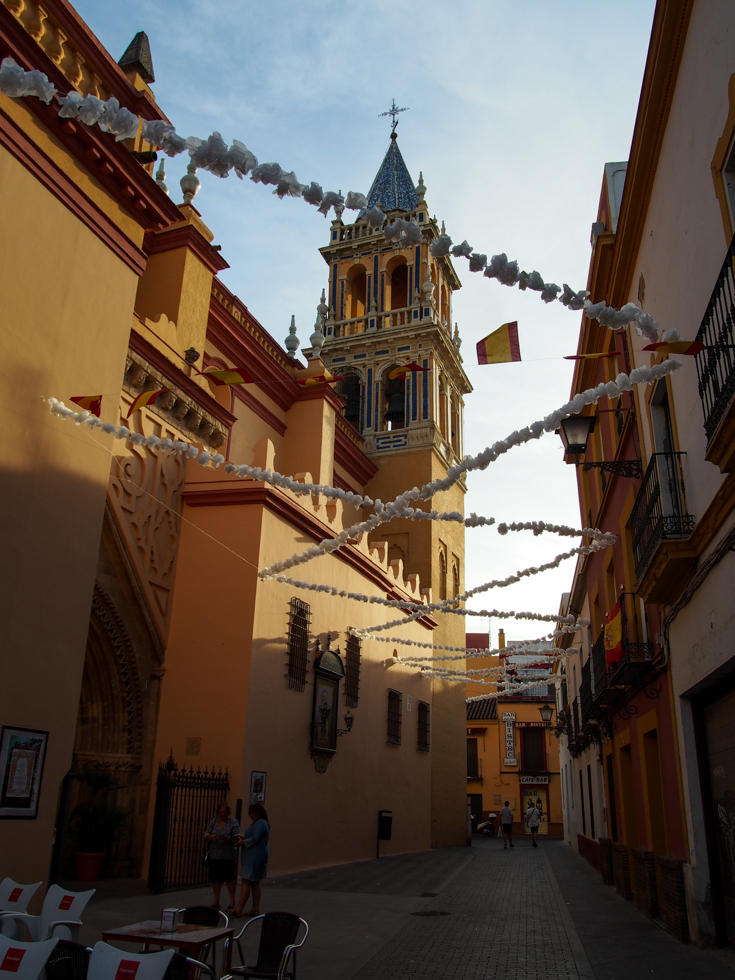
<point>585,691</point>
<point>660,509</point>
<point>716,363</point>
<point>610,680</point>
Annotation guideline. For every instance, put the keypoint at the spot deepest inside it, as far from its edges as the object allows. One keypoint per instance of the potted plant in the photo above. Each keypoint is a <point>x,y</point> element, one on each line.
<point>94,822</point>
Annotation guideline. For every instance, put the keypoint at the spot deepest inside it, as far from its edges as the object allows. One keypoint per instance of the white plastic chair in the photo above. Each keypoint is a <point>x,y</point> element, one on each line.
<point>15,897</point>
<point>23,961</point>
<point>109,963</point>
<point>60,916</point>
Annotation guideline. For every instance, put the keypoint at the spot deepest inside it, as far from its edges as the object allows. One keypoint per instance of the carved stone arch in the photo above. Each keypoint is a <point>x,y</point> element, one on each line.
<point>111,706</point>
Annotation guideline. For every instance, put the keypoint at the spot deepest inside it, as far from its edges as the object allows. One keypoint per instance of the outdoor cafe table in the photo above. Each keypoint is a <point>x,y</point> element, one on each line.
<point>188,939</point>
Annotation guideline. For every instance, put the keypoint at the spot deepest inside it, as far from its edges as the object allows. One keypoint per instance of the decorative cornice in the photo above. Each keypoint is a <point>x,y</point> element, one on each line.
<point>65,190</point>
<point>668,36</point>
<point>253,495</point>
<point>240,338</point>
<point>179,379</point>
<point>185,236</point>
<point>110,163</point>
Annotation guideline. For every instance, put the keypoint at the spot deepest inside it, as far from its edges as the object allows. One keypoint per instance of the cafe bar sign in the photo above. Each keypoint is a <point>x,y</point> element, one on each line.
<point>534,780</point>
<point>509,718</point>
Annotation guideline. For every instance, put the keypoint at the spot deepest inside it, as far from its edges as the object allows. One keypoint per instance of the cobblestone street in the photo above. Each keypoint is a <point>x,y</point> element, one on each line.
<point>475,913</point>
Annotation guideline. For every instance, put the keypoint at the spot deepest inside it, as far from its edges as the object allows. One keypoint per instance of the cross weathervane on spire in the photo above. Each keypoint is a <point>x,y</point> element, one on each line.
<point>393,113</point>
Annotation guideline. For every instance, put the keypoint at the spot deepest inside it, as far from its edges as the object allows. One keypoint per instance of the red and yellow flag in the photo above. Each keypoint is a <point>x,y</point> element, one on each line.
<point>500,346</point>
<point>614,635</point>
<point>319,379</point>
<point>404,369</point>
<point>590,357</point>
<point>230,376</point>
<point>145,398</point>
<point>690,347</point>
<point>93,403</point>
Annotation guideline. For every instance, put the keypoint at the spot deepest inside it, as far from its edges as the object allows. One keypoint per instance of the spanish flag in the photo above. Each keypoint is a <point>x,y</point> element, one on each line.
<point>404,369</point>
<point>145,398</point>
<point>93,403</point>
<point>500,346</point>
<point>614,635</point>
<point>690,347</point>
<point>590,357</point>
<point>230,376</point>
<point>319,379</point>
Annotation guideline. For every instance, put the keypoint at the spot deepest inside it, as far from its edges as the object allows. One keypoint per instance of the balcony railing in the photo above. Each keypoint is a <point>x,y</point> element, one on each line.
<point>716,363</point>
<point>611,680</point>
<point>660,509</point>
<point>372,321</point>
<point>585,690</point>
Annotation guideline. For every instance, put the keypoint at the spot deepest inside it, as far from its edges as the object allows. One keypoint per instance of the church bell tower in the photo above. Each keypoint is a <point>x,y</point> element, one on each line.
<point>390,304</point>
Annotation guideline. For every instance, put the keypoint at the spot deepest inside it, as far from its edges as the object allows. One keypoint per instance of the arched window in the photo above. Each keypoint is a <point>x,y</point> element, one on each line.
<point>357,278</point>
<point>442,576</point>
<point>394,394</point>
<point>398,278</point>
<point>349,388</point>
<point>455,579</point>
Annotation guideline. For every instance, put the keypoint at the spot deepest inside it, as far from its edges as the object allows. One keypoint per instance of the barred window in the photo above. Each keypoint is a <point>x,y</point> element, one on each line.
<point>352,670</point>
<point>298,643</point>
<point>424,726</point>
<point>395,699</point>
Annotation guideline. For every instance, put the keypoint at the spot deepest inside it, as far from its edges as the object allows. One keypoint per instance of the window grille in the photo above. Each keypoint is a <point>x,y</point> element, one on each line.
<point>395,699</point>
<point>352,670</point>
<point>298,644</point>
<point>424,726</point>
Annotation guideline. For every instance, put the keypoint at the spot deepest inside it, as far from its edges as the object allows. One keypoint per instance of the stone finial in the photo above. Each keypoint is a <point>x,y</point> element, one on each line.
<point>421,186</point>
<point>292,342</point>
<point>428,286</point>
<point>317,338</point>
<point>322,309</point>
<point>137,57</point>
<point>457,340</point>
<point>339,208</point>
<point>190,184</point>
<point>444,230</point>
<point>161,177</point>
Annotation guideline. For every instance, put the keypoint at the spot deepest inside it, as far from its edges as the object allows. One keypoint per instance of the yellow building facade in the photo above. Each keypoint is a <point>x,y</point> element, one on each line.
<point>143,641</point>
<point>512,754</point>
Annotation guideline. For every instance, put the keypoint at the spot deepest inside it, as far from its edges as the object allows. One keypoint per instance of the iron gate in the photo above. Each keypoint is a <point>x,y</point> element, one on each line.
<point>186,802</point>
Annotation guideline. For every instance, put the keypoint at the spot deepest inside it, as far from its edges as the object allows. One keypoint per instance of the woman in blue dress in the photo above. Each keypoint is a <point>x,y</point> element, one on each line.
<point>254,858</point>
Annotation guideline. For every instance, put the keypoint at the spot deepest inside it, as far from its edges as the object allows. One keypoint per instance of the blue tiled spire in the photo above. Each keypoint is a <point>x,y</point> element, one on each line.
<point>393,188</point>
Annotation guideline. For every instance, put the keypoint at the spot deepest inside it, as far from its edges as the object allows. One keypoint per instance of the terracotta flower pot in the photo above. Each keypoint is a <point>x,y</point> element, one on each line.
<point>88,866</point>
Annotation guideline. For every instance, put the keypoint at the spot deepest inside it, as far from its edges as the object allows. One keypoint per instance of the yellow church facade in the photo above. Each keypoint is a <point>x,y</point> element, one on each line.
<point>141,639</point>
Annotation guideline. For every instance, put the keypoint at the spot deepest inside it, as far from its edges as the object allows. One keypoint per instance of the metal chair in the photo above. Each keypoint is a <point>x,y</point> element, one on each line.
<point>60,916</point>
<point>205,915</point>
<point>25,961</point>
<point>108,963</point>
<point>180,968</point>
<point>277,942</point>
<point>68,961</point>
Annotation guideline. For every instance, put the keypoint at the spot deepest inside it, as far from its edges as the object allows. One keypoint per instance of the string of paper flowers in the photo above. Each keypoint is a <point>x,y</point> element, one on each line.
<point>523,648</point>
<point>399,507</point>
<point>215,156</point>
<point>465,653</point>
<point>553,679</point>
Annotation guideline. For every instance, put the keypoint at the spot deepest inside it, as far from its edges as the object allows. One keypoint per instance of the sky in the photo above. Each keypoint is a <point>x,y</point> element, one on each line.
<point>515,106</point>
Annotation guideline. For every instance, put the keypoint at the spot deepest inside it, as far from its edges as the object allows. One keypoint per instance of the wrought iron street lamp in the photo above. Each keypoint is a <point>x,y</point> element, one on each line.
<point>575,431</point>
<point>546,711</point>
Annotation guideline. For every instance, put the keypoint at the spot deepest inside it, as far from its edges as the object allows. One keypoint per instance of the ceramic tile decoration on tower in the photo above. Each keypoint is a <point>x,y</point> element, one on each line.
<point>143,640</point>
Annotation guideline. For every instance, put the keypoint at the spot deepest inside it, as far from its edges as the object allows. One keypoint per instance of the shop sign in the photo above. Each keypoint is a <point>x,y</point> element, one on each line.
<point>535,780</point>
<point>476,731</point>
<point>532,724</point>
<point>509,718</point>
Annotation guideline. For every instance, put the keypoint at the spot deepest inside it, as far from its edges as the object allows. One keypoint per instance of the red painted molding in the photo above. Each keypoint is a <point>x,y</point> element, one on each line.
<point>55,180</point>
<point>351,458</point>
<point>185,236</point>
<point>249,495</point>
<point>111,164</point>
<point>243,348</point>
<point>179,379</point>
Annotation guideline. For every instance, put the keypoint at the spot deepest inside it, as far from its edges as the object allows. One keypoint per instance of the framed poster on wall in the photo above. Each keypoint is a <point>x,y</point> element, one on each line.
<point>257,787</point>
<point>22,753</point>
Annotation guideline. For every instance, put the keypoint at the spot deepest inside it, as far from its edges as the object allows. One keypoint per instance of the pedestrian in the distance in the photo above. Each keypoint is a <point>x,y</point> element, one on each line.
<point>506,822</point>
<point>221,835</point>
<point>533,815</point>
<point>254,866</point>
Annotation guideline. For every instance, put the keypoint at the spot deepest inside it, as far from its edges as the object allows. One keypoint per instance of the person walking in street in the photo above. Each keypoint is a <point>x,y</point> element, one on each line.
<point>255,858</point>
<point>533,815</point>
<point>506,822</point>
<point>221,835</point>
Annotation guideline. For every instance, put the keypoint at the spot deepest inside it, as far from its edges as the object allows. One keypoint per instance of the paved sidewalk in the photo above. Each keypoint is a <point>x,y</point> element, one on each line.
<point>478,913</point>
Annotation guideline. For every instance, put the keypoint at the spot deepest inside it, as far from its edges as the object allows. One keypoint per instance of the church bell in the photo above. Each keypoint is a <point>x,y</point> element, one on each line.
<point>395,407</point>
